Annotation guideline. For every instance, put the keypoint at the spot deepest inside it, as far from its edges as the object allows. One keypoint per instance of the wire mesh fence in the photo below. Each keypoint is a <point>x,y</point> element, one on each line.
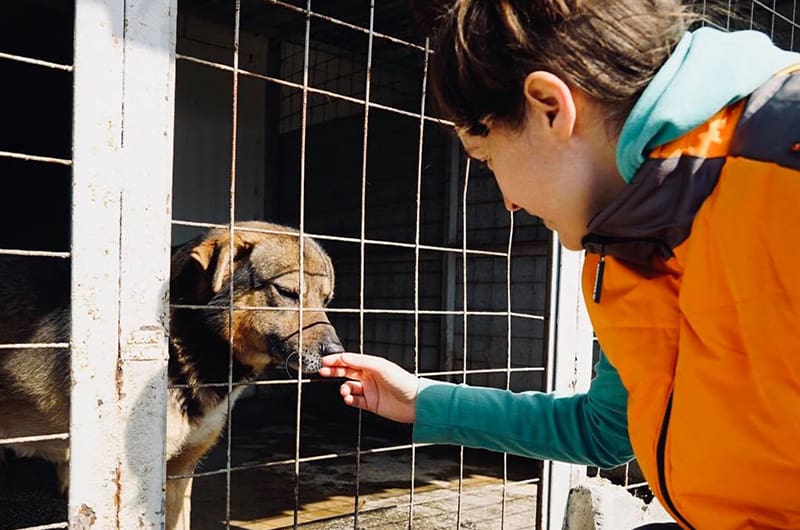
<point>354,158</point>
<point>316,116</point>
<point>35,155</point>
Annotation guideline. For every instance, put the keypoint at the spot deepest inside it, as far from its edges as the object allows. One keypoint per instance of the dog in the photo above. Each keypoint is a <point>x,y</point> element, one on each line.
<point>34,384</point>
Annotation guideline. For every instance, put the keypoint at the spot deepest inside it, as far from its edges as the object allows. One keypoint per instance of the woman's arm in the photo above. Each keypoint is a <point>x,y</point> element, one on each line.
<point>590,428</point>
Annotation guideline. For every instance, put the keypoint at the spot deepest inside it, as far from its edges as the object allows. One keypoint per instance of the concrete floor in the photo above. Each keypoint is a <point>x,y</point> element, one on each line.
<point>263,497</point>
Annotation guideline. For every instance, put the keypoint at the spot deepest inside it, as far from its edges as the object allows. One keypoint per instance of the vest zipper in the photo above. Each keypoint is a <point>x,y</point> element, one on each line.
<point>660,458</point>
<point>598,276</point>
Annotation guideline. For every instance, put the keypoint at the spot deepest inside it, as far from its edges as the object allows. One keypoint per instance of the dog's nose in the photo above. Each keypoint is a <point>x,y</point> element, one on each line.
<point>312,358</point>
<point>331,347</point>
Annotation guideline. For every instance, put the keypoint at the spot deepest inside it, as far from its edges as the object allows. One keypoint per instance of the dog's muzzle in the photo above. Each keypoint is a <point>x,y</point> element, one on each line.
<point>311,358</point>
<point>315,346</point>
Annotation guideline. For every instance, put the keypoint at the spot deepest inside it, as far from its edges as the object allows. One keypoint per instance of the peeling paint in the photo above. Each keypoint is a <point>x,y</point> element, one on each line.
<point>84,519</point>
<point>118,492</point>
<point>119,378</point>
<point>147,335</point>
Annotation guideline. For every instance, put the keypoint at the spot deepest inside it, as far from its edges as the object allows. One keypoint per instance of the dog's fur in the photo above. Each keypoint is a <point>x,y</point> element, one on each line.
<point>34,294</point>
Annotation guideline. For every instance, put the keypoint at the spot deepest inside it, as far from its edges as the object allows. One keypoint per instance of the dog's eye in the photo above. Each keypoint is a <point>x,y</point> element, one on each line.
<point>287,293</point>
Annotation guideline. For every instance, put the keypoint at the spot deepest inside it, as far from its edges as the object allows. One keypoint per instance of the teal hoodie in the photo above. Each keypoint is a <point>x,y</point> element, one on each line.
<point>707,71</point>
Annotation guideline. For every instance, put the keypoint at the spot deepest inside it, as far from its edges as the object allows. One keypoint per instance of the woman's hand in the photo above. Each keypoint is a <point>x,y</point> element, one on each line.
<point>376,385</point>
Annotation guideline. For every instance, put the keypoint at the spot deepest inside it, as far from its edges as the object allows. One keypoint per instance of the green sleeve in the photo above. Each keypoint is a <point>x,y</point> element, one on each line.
<point>590,428</point>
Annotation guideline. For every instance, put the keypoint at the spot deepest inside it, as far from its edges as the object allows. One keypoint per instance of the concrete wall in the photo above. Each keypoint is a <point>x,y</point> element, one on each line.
<point>203,128</point>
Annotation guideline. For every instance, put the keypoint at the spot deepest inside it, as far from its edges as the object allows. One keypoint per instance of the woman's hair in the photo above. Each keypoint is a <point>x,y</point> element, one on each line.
<point>484,49</point>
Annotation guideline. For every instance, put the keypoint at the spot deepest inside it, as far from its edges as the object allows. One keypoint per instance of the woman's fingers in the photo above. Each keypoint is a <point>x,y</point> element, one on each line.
<point>351,391</point>
<point>346,394</point>
<point>356,361</point>
<point>352,387</point>
<point>353,394</point>
<point>339,371</point>
<point>356,401</point>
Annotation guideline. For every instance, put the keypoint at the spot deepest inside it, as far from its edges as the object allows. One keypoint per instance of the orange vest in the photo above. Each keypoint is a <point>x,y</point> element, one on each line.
<point>704,329</point>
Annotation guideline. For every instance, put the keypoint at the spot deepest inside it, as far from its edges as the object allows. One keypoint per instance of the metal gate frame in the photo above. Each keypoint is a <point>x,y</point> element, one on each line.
<point>569,365</point>
<point>121,209</point>
<point>122,178</point>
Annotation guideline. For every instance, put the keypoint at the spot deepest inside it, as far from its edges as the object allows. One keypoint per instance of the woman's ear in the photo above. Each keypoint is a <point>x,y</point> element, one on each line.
<point>550,99</point>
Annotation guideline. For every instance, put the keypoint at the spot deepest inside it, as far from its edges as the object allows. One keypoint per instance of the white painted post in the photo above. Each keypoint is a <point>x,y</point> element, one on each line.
<point>569,363</point>
<point>122,179</point>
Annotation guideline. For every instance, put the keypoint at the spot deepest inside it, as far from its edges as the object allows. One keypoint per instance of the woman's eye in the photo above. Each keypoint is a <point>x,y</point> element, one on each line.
<point>287,293</point>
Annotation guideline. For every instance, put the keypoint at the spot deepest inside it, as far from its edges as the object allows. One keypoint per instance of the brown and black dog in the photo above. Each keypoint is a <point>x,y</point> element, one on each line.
<point>34,307</point>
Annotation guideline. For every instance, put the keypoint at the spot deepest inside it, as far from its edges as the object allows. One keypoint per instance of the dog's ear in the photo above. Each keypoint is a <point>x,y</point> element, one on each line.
<point>213,255</point>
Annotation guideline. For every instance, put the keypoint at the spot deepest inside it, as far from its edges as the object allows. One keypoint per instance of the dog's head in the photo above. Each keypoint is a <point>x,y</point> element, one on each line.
<point>265,291</point>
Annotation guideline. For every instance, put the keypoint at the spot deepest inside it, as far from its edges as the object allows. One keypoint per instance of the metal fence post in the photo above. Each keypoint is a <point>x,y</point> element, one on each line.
<point>569,365</point>
<point>122,180</point>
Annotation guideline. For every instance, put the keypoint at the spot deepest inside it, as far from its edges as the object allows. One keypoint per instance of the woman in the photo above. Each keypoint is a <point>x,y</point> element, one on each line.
<point>673,159</point>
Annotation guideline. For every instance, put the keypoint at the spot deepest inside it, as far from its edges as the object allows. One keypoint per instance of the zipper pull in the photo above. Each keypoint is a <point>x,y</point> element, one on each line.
<point>598,276</point>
